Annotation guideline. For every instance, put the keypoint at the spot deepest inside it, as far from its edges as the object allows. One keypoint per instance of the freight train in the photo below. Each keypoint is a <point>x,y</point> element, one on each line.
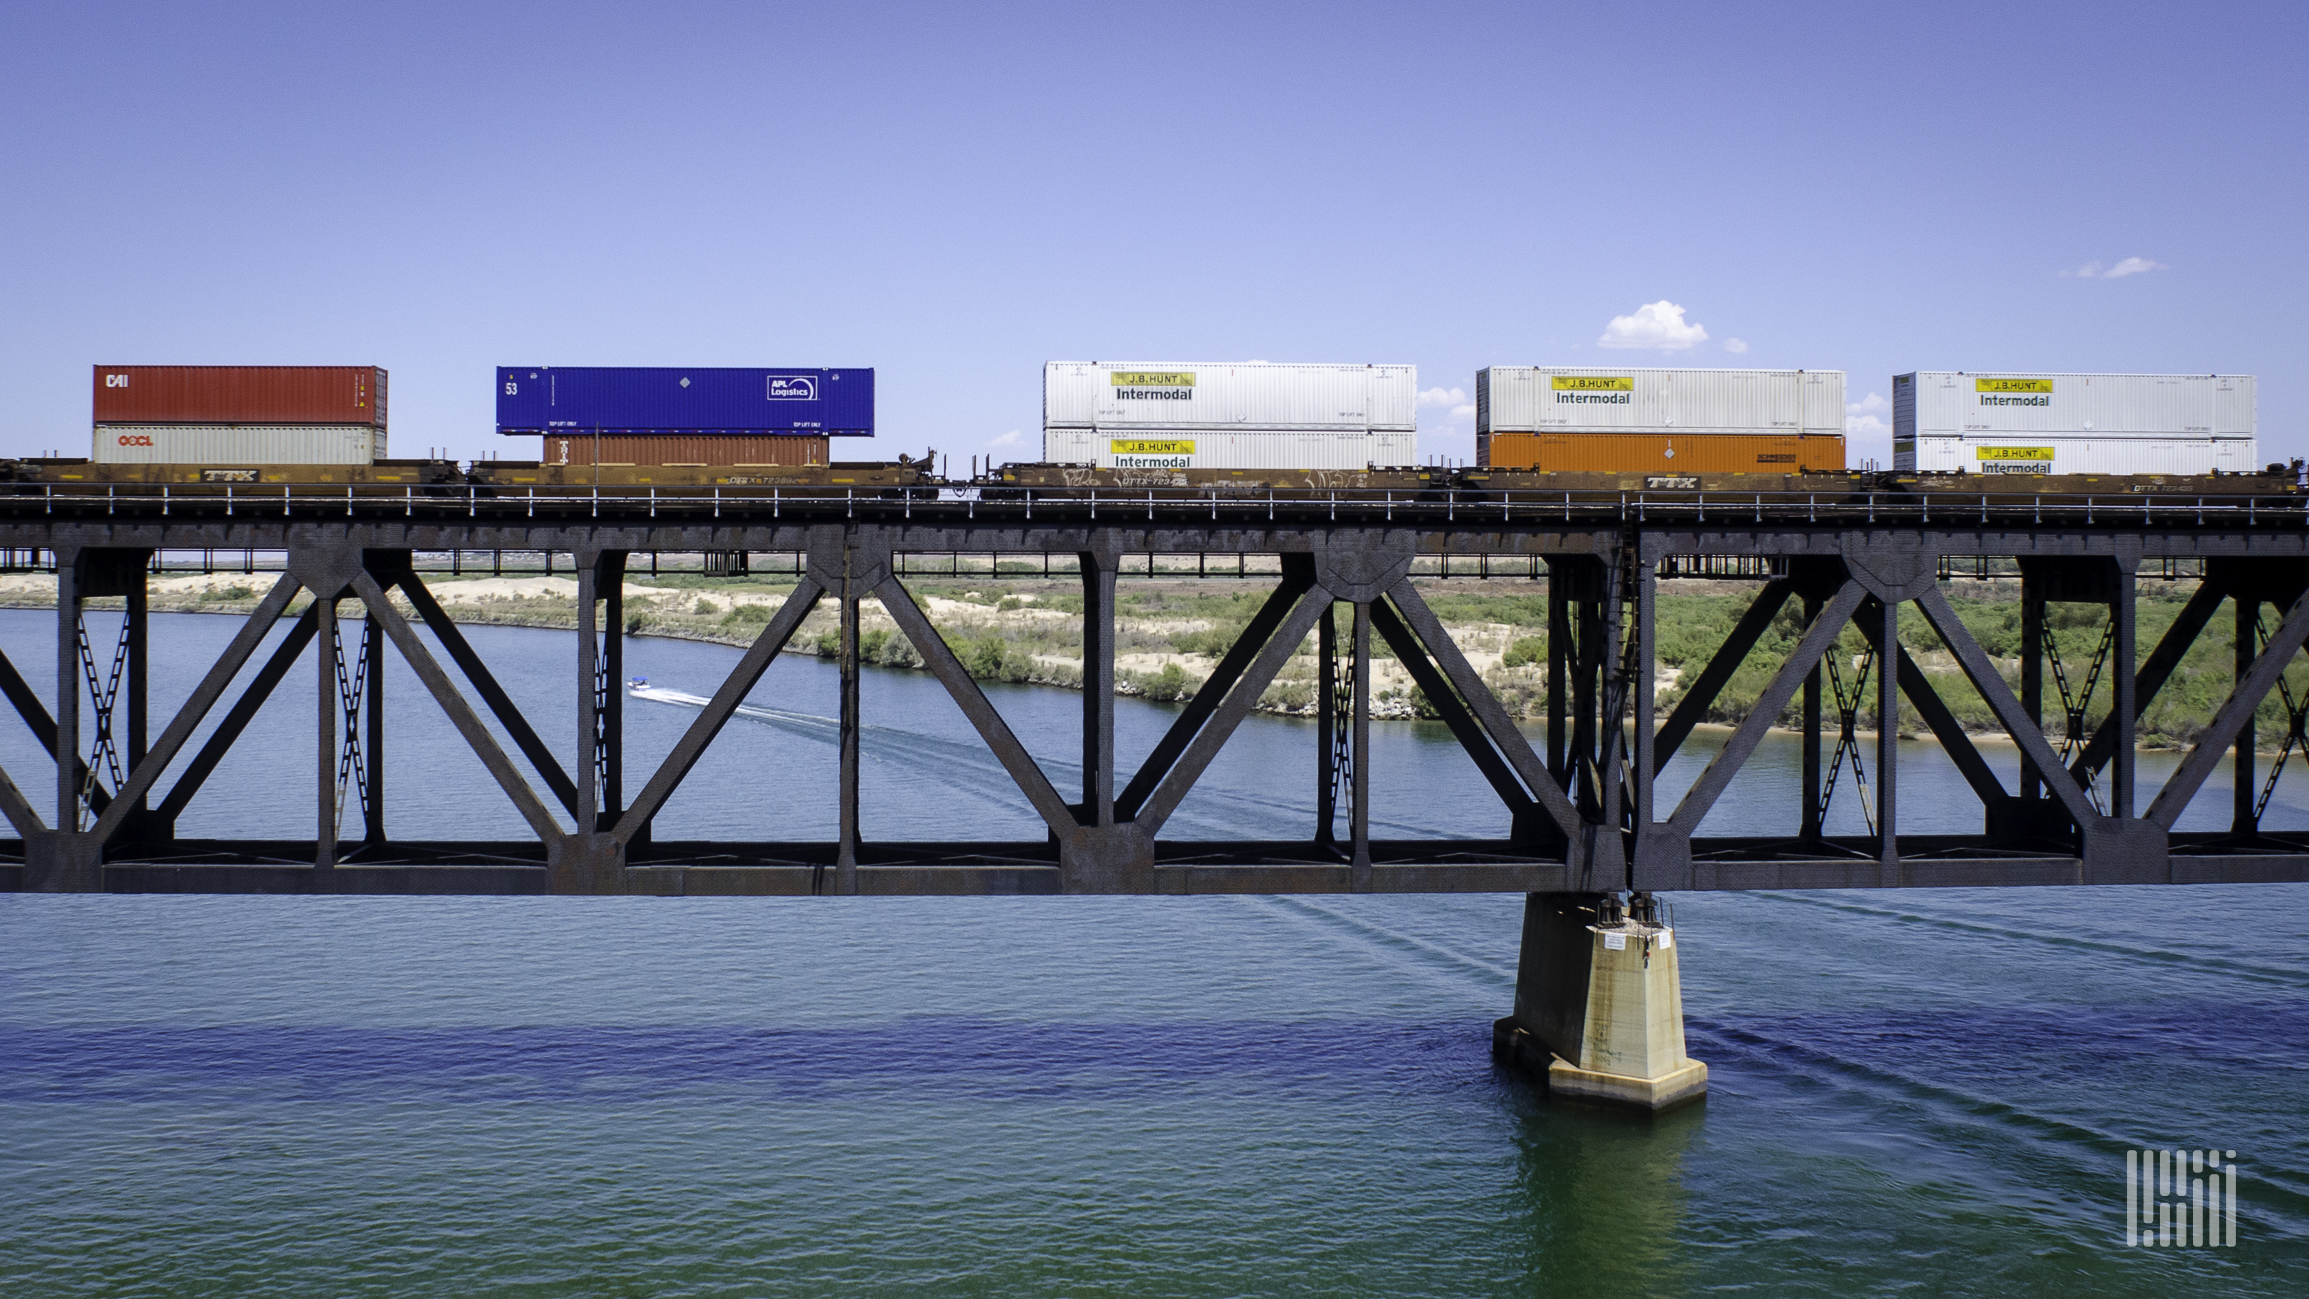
<point>1184,431</point>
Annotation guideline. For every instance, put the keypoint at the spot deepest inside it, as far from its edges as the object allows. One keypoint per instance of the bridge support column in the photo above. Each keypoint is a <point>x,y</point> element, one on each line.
<point>1599,1004</point>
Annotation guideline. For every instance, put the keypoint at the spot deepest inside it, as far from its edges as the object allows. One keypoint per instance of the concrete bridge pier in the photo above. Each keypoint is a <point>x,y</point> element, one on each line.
<point>1599,1009</point>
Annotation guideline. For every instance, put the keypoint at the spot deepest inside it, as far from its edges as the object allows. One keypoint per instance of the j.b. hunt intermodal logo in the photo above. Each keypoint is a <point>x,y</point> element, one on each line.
<point>1151,453</point>
<point>1593,389</point>
<point>2181,1199</point>
<point>2013,392</point>
<point>2014,460</point>
<point>1153,385</point>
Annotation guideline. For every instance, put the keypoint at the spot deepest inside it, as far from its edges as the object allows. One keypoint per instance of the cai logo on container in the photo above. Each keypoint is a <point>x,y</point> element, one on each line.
<point>793,387</point>
<point>2180,1199</point>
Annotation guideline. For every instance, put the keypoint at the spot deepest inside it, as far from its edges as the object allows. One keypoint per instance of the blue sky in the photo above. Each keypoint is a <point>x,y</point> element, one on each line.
<point>956,195</point>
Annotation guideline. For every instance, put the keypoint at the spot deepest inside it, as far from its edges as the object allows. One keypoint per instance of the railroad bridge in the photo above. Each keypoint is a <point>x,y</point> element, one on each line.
<point>1585,820</point>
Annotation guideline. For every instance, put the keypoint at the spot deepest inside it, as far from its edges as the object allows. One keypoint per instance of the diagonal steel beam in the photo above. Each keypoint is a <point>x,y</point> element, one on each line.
<point>18,810</point>
<point>1313,604</point>
<point>540,754</point>
<point>195,710</point>
<point>938,656</point>
<point>2251,689</point>
<point>1818,639</point>
<point>43,727</point>
<point>1206,699</point>
<point>1439,693</point>
<point>461,714</point>
<point>1990,683</point>
<point>2162,662</point>
<point>718,711</point>
<point>1693,707</point>
<point>1934,710</point>
<point>244,710</point>
<point>1487,710</point>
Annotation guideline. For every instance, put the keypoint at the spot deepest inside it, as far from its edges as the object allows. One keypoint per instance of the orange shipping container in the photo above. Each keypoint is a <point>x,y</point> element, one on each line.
<point>1659,453</point>
<point>718,451</point>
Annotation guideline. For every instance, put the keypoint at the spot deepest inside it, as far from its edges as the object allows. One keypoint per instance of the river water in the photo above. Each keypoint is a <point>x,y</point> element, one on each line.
<point>1922,1091</point>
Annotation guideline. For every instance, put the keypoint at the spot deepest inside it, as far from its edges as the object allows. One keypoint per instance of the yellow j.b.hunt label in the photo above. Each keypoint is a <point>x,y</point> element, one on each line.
<point>2012,385</point>
<point>1152,378</point>
<point>1593,383</point>
<point>2014,453</point>
<point>1151,447</point>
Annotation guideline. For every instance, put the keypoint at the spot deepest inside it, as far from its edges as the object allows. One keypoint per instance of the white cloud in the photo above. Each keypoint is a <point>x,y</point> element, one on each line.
<point>1864,418</point>
<point>1443,397</point>
<point>1735,345</point>
<point>1463,412</point>
<point>1010,439</point>
<point>1656,325</point>
<point>2129,266</point>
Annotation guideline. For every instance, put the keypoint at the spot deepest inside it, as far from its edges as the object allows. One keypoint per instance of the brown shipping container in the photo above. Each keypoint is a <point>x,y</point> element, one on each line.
<point>1657,453</point>
<point>717,451</point>
<point>240,394</point>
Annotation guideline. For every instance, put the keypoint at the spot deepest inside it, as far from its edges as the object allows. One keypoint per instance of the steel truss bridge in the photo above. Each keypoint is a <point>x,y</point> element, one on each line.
<point>1584,815</point>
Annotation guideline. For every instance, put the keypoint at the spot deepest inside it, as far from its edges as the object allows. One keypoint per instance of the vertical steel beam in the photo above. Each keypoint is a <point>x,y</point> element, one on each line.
<point>586,769</point>
<point>1888,734</point>
<point>2242,820</point>
<point>846,852</point>
<point>1098,596</point>
<point>139,664</point>
<point>68,691</point>
<point>325,665</point>
<point>373,649</point>
<point>1559,641</point>
<point>1326,727</point>
<point>1361,816</point>
<point>1610,732</point>
<point>2031,677</point>
<point>612,595</point>
<point>1647,584</point>
<point>1811,819</point>
<point>2127,703</point>
<point>1584,705</point>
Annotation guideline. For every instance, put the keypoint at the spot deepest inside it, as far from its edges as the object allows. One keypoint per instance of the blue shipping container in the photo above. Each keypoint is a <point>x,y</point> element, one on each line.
<point>629,399</point>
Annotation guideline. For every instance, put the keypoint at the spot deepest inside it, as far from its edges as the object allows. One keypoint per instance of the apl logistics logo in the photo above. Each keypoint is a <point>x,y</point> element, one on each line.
<point>793,387</point>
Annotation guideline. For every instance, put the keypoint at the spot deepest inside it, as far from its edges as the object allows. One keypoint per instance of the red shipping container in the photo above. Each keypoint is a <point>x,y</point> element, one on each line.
<point>240,394</point>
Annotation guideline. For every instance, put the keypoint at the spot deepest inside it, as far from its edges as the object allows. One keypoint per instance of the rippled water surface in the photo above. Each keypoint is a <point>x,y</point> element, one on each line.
<point>1926,1092</point>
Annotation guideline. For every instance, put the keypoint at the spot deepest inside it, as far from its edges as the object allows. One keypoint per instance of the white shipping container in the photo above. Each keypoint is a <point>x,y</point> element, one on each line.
<point>238,444</point>
<point>1585,399</point>
<point>2063,454</point>
<point>2095,407</point>
<point>1230,395</point>
<point>1138,448</point>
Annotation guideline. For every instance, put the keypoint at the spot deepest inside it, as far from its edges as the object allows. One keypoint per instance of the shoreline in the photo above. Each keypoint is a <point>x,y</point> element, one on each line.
<point>1017,637</point>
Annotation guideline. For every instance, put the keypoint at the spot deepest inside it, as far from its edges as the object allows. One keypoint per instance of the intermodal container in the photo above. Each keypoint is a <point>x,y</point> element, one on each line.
<point>2048,454</point>
<point>239,394</point>
<point>1230,395</point>
<point>1583,399</point>
<point>1663,453</point>
<point>1949,421</point>
<point>1229,415</point>
<point>705,450</point>
<point>239,444</point>
<point>1200,448</point>
<point>710,402</point>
